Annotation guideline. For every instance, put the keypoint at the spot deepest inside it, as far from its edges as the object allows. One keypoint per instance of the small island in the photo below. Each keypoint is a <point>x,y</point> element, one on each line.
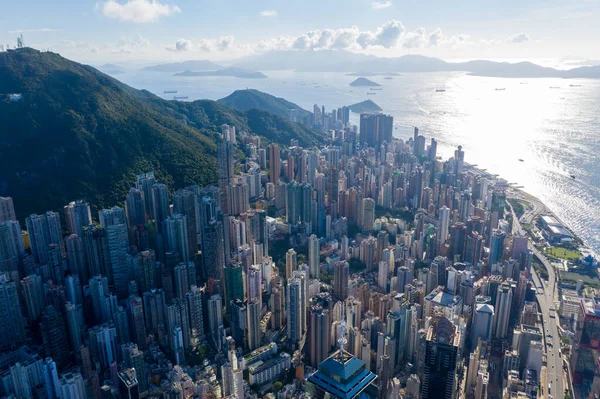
<point>364,82</point>
<point>234,72</point>
<point>366,106</point>
<point>388,74</point>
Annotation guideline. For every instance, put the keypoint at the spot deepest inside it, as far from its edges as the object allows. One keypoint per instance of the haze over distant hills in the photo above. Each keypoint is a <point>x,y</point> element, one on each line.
<point>233,71</point>
<point>344,61</point>
<point>197,65</point>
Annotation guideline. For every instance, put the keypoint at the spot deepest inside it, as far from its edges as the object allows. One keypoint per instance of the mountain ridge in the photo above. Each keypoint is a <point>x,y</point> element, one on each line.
<point>348,62</point>
<point>78,133</point>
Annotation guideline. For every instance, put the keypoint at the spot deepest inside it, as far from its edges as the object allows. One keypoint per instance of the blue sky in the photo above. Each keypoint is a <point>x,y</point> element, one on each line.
<point>154,30</point>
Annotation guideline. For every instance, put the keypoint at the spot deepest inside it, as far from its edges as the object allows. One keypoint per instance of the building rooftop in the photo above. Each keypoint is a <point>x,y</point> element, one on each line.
<point>343,375</point>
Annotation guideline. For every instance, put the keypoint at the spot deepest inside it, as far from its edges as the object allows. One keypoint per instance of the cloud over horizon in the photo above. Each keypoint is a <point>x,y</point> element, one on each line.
<point>519,38</point>
<point>377,5</point>
<point>138,11</point>
<point>268,13</point>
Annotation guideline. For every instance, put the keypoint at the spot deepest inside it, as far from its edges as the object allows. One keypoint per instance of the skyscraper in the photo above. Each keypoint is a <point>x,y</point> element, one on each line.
<point>234,283</point>
<point>97,253</point>
<point>44,230</point>
<point>77,215</point>
<point>11,245</point>
<point>341,271</point>
<point>135,207</point>
<point>368,213</point>
<point>290,263</point>
<point>313,257</point>
<point>196,318</point>
<point>225,159</point>
<point>375,129</point>
<point>253,331</point>
<point>54,336</point>
<point>440,360</point>
<point>483,319</point>
<point>319,334</point>
<point>118,246</point>
<point>72,386</point>
<point>160,204</point>
<point>185,202</point>
<point>112,216</point>
<point>76,256</point>
<point>7,209</point>
<point>175,230</point>
<point>296,307</point>
<point>274,163</point>
<point>33,292</point>
<point>144,183</point>
<point>137,327</point>
<point>502,310</point>
<point>12,329</point>
<point>215,319</point>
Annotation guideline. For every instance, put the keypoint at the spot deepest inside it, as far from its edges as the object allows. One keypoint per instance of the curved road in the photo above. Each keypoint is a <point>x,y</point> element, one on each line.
<point>547,297</point>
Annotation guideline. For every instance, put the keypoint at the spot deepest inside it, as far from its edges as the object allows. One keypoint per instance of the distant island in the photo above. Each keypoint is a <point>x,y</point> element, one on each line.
<point>347,62</point>
<point>111,69</point>
<point>197,65</point>
<point>364,82</point>
<point>373,74</point>
<point>234,72</point>
<point>366,106</point>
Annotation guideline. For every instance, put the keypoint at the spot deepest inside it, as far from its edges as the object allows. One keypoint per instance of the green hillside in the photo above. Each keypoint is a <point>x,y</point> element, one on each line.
<point>78,133</point>
<point>248,99</point>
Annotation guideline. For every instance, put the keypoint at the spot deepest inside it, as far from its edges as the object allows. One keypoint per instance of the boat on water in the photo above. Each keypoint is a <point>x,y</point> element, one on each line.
<point>170,91</point>
<point>440,90</point>
<point>500,89</point>
<point>371,93</point>
<point>555,87</point>
<point>180,98</point>
<point>574,85</point>
<point>573,177</point>
<point>376,88</point>
<point>521,160</point>
<point>523,83</point>
<point>388,78</point>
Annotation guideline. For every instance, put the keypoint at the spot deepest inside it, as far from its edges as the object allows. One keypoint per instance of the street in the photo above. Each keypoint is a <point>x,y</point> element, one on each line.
<point>547,297</point>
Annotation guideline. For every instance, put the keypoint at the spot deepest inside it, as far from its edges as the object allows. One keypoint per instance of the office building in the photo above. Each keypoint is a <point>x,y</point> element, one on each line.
<point>483,319</point>
<point>440,361</point>
<point>135,207</point>
<point>319,334</point>
<point>274,163</point>
<point>12,328</point>
<point>314,264</point>
<point>376,129</point>
<point>185,202</point>
<point>504,296</point>
<point>44,230</point>
<point>7,209</point>
<point>341,272</point>
<point>77,215</point>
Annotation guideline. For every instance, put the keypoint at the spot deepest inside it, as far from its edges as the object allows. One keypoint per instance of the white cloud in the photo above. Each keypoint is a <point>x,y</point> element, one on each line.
<point>80,45</point>
<point>140,11</point>
<point>435,37</point>
<point>387,35</point>
<point>204,45</point>
<point>519,38</point>
<point>20,31</point>
<point>381,4</point>
<point>268,13</point>
<point>415,39</point>
<point>130,45</point>
<point>181,45</point>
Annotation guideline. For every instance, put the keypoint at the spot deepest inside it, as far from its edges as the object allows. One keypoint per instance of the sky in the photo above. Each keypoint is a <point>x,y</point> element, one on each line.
<point>148,31</point>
